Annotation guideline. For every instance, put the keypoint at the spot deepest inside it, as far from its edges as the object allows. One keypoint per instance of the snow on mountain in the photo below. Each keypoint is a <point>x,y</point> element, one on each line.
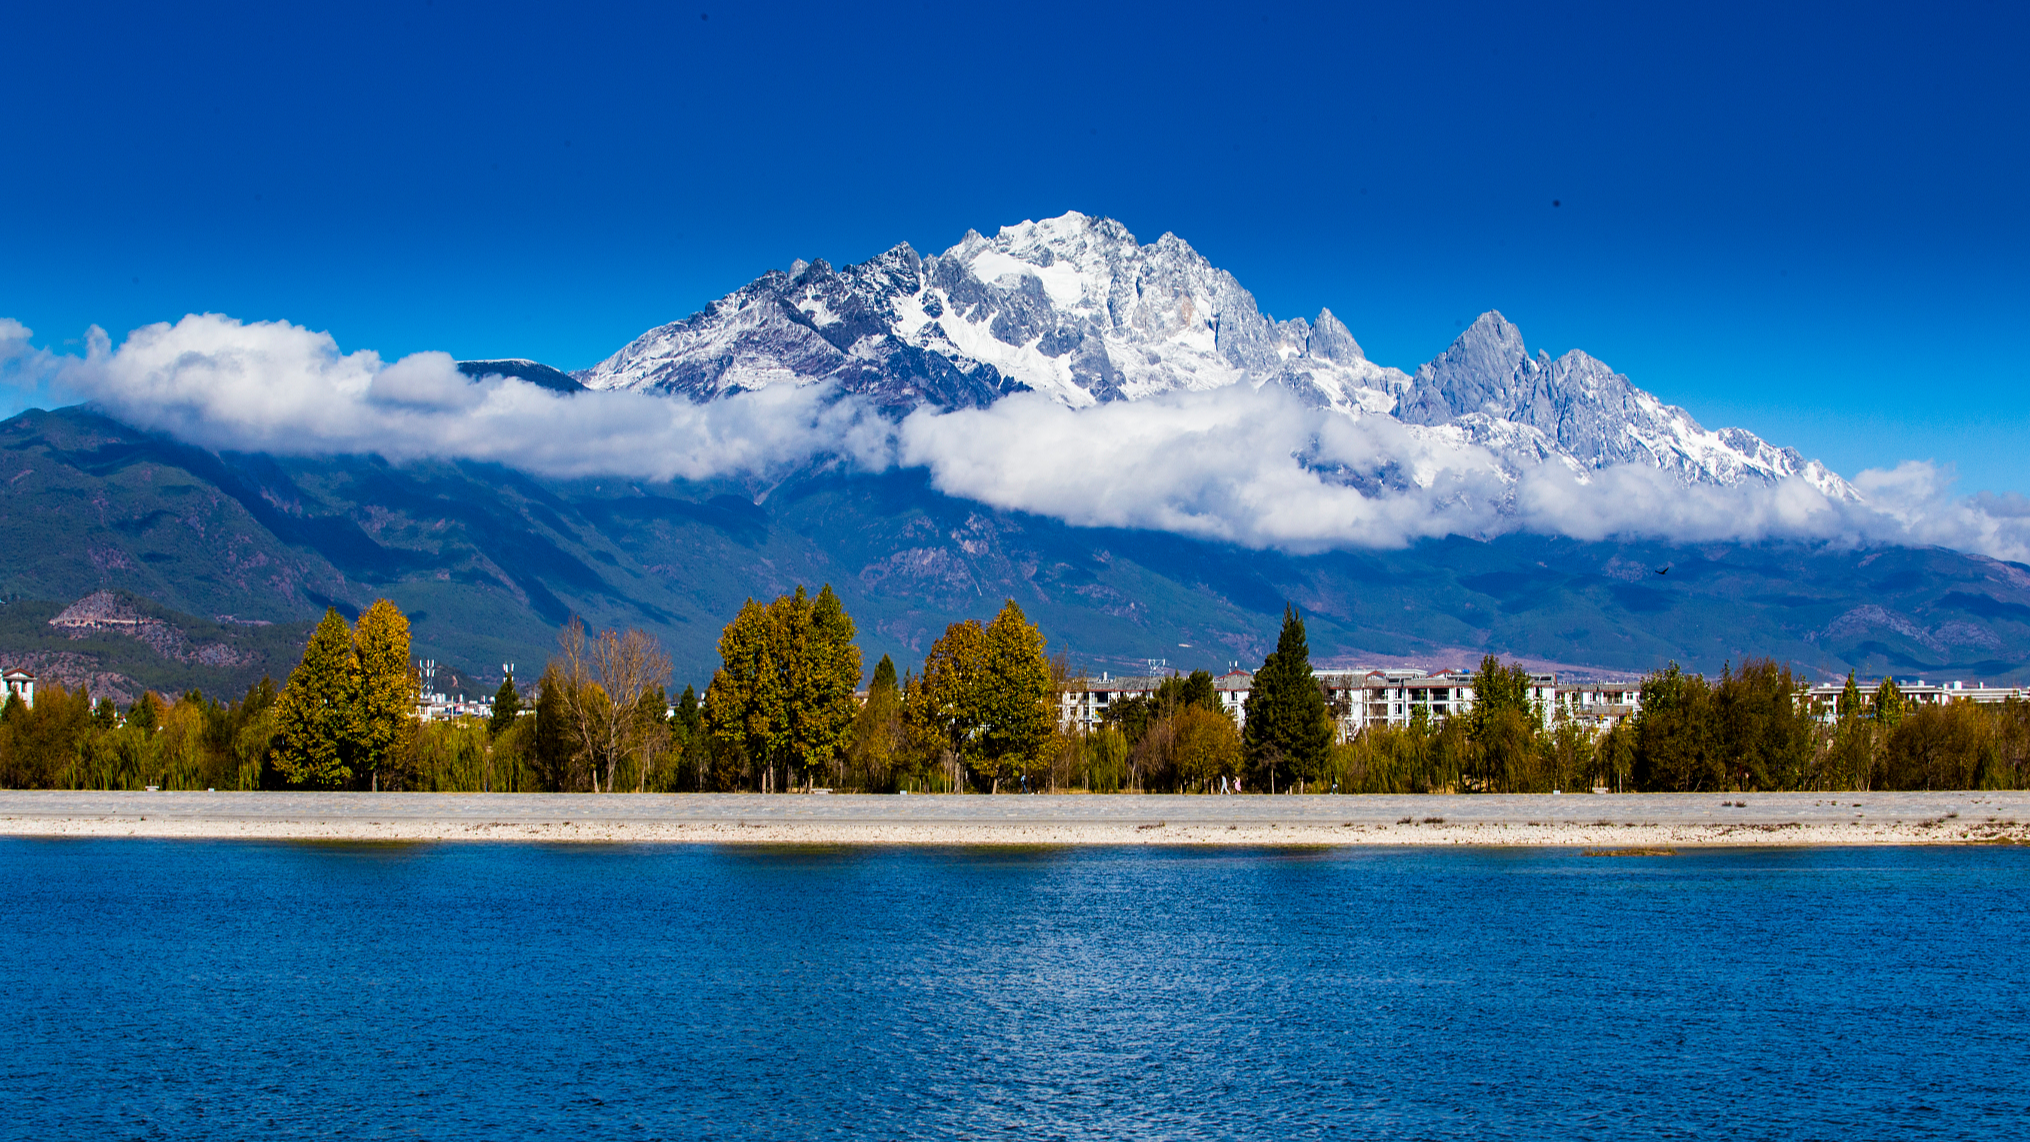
<point>1494,393</point>
<point>1072,306</point>
<point>1075,308</point>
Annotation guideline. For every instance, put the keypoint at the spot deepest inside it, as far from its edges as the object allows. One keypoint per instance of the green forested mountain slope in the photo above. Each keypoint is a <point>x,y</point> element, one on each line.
<point>488,561</point>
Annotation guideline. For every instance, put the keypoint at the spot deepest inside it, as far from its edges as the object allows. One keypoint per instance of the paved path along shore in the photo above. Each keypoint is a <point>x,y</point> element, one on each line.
<point>1609,821</point>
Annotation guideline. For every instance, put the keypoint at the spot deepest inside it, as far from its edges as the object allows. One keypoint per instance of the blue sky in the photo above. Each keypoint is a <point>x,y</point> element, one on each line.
<point>1808,219</point>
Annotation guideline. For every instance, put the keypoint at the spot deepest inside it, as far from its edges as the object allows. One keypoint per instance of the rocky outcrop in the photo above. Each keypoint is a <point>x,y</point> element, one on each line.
<point>107,611</point>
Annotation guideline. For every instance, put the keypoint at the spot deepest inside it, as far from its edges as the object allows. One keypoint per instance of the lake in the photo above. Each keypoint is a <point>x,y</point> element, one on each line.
<point>241,990</point>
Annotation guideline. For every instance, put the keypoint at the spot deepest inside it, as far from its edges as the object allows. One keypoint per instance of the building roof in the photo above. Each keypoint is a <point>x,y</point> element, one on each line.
<point>1139,683</point>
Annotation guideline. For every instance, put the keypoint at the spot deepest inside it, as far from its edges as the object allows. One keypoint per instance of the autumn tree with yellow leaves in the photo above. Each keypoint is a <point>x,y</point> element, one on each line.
<point>346,718</point>
<point>984,700</point>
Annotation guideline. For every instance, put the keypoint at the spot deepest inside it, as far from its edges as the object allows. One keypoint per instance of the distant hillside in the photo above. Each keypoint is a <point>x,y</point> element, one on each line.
<point>488,561</point>
<point>119,644</point>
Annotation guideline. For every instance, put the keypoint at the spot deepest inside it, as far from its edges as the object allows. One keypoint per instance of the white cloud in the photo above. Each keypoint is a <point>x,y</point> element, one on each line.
<point>1262,469</point>
<point>1230,464</point>
<point>276,387</point>
<point>1256,468</point>
<point>23,368</point>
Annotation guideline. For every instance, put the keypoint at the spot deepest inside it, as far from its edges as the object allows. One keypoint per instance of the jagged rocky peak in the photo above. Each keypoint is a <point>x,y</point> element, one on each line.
<point>813,325</point>
<point>1077,309</point>
<point>1479,370</point>
<point>1488,386</point>
<point>1073,307</point>
<point>1330,340</point>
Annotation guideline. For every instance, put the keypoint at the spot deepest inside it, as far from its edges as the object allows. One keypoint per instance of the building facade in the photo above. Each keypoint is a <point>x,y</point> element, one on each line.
<point>1362,698</point>
<point>1824,698</point>
<point>1083,706</point>
<point>20,684</point>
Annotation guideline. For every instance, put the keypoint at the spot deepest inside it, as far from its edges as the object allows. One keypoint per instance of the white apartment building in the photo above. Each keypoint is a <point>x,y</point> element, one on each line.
<point>1598,704</point>
<point>1361,698</point>
<point>1824,698</point>
<point>1084,706</point>
<point>1396,697</point>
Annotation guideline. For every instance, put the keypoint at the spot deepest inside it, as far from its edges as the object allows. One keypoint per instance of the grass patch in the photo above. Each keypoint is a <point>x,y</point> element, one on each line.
<point>1636,852</point>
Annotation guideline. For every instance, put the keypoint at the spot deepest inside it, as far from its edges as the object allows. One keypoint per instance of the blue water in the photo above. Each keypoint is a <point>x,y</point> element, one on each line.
<point>242,990</point>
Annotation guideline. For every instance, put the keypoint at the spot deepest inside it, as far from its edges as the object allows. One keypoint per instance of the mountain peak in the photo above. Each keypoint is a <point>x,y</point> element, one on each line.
<point>534,372</point>
<point>1065,227</point>
<point>1491,334</point>
<point>1074,308</point>
<point>1330,340</point>
<point>1478,372</point>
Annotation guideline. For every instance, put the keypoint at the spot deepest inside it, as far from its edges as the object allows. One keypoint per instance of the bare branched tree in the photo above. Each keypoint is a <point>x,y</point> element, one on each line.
<point>607,680</point>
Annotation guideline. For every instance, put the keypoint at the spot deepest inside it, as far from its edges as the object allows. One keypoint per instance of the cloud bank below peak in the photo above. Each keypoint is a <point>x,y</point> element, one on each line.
<point>275,387</point>
<point>1255,467</point>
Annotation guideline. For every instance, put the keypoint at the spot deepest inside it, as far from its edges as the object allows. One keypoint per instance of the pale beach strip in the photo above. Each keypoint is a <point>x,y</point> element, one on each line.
<point>1605,822</point>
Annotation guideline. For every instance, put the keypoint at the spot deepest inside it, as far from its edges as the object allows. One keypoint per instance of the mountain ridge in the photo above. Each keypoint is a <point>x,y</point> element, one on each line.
<point>488,561</point>
<point>1075,308</point>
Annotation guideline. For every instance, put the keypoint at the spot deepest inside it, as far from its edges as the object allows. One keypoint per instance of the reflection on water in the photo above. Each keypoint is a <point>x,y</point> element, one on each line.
<point>487,991</point>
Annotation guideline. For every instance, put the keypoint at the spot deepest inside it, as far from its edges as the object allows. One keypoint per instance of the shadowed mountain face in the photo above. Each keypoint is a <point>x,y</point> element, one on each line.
<point>534,372</point>
<point>488,561</point>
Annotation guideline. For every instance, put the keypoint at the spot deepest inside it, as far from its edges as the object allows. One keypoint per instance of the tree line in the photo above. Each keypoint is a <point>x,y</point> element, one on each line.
<point>985,713</point>
<point>345,719</point>
<point>1754,729</point>
<point>982,713</point>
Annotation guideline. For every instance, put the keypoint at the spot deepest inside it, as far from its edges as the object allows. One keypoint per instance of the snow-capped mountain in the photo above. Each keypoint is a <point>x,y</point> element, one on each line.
<point>1488,389</point>
<point>1075,308</point>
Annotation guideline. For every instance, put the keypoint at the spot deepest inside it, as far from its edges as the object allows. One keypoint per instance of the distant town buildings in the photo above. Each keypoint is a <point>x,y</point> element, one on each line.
<point>1363,698</point>
<point>1396,697</point>
<point>1825,697</point>
<point>444,708</point>
<point>1085,707</point>
<point>433,705</point>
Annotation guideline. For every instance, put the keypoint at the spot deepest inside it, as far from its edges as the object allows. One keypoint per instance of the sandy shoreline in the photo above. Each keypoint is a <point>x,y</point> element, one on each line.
<point>1626,821</point>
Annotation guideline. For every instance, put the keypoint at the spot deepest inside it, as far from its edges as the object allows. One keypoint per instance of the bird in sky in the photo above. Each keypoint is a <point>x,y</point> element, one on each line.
<point>1664,570</point>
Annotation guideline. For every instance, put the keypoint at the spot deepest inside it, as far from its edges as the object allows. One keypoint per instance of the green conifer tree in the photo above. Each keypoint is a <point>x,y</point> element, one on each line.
<point>687,731</point>
<point>146,712</point>
<point>1016,712</point>
<point>1288,730</point>
<point>824,671</point>
<point>783,694</point>
<point>555,759</point>
<point>745,714</point>
<point>943,710</point>
<point>1888,704</point>
<point>1505,727</point>
<point>507,706</point>
<point>876,742</point>
<point>314,712</point>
